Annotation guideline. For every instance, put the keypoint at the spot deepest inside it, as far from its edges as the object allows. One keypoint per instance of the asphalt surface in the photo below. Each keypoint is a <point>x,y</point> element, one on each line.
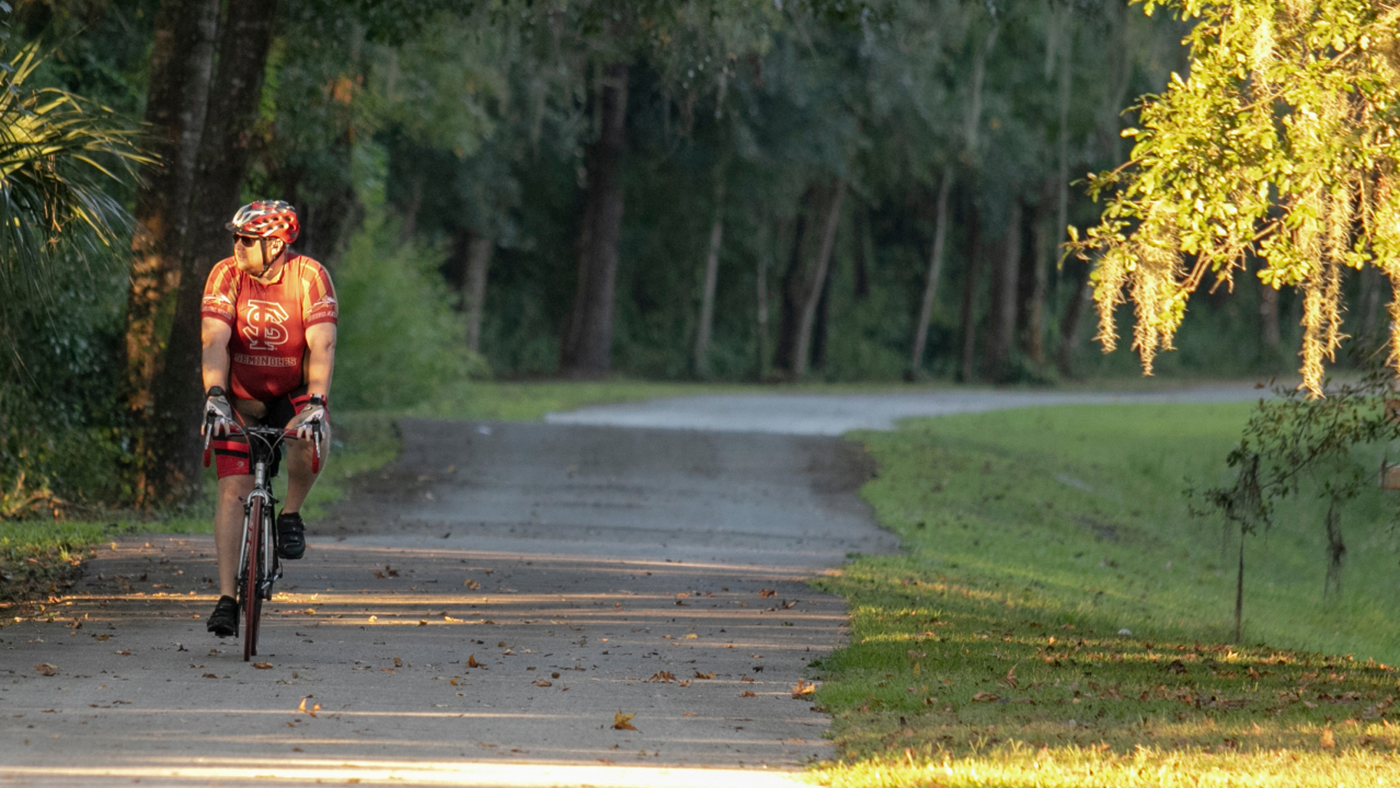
<point>481,611</point>
<point>836,414</point>
<point>478,613</point>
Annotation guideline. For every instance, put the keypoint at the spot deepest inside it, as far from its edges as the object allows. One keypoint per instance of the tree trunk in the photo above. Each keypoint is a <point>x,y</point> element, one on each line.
<point>863,253</point>
<point>181,68</point>
<point>1035,282</point>
<point>1336,548</point>
<point>1239,592</point>
<point>701,361</point>
<point>821,327</point>
<point>587,349</point>
<point>1371,283</point>
<point>761,293</point>
<point>1074,315</point>
<point>969,301</point>
<point>794,285</point>
<point>479,250</point>
<point>935,273</point>
<point>222,163</point>
<point>1268,318</point>
<point>823,261</point>
<point>1004,300</point>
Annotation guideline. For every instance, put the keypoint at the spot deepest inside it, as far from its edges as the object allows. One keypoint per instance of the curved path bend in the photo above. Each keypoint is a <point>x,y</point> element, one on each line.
<point>480,611</point>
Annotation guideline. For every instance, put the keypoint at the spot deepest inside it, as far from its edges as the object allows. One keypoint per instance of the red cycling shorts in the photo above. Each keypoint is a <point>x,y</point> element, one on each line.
<point>231,451</point>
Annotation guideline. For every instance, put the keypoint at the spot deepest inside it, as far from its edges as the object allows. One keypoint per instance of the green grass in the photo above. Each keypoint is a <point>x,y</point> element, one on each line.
<point>990,653</point>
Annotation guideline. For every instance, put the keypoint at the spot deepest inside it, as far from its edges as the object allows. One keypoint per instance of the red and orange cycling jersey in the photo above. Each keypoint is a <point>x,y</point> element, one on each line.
<point>269,321</point>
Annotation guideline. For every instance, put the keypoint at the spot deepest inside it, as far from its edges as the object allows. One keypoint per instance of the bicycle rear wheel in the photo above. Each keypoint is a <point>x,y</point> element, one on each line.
<point>252,598</point>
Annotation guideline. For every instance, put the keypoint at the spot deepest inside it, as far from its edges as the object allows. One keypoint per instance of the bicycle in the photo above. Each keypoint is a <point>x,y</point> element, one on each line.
<point>258,564</point>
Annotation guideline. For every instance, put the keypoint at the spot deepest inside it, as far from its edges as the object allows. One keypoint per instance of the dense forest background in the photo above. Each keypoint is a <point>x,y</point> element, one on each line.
<point>724,190</point>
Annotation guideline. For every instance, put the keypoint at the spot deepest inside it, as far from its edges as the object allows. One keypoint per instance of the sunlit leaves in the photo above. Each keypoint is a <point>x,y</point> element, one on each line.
<point>57,151</point>
<point>1279,145</point>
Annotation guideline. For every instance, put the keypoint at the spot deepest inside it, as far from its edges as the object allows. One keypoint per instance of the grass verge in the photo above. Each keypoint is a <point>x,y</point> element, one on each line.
<point>1058,619</point>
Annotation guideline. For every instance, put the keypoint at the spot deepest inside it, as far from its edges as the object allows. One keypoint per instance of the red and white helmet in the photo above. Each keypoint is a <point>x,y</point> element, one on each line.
<point>266,219</point>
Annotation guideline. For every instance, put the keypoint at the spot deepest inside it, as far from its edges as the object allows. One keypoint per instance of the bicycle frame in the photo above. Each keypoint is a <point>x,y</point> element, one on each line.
<point>258,564</point>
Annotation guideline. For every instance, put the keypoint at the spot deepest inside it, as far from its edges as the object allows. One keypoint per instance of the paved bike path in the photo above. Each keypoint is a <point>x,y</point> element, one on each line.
<point>657,571</point>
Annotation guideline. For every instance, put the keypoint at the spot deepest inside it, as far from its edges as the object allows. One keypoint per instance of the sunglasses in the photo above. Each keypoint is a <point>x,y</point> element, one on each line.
<point>246,240</point>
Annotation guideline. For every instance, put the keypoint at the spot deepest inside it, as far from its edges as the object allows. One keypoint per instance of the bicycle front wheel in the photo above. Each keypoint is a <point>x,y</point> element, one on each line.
<point>252,598</point>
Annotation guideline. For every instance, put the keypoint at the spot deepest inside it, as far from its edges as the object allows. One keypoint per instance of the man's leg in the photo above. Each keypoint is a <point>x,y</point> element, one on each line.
<point>291,531</point>
<point>299,475</point>
<point>228,530</point>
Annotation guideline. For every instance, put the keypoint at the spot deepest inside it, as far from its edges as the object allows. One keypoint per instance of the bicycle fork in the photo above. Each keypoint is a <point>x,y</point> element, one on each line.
<point>272,568</point>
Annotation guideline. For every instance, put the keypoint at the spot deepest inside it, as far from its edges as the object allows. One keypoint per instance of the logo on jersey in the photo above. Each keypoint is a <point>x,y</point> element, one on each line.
<point>265,325</point>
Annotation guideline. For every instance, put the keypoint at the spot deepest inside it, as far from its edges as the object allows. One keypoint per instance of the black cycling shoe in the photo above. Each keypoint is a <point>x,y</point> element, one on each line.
<point>224,620</point>
<point>291,536</point>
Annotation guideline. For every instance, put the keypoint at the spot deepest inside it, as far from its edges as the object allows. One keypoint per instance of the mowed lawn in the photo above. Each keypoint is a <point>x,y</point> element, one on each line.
<point>1060,618</point>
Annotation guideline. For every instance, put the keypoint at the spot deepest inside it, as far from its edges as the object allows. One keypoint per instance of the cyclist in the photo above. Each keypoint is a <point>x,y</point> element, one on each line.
<point>268,325</point>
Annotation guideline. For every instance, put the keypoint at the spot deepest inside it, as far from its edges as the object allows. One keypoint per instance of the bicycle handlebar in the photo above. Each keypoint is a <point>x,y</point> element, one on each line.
<point>265,433</point>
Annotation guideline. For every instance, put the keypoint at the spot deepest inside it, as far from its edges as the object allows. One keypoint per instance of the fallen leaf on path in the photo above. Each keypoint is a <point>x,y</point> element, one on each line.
<point>700,675</point>
<point>45,669</point>
<point>662,676</point>
<point>679,603</point>
<point>472,663</point>
<point>263,665</point>
<point>542,683</point>
<point>787,605</point>
<point>456,682</point>
<point>101,637</point>
<point>398,663</point>
<point>689,714</point>
<point>315,707</point>
<point>422,623</point>
<point>803,688</point>
<point>623,722</point>
<point>747,694</point>
<point>767,592</point>
<point>472,584</point>
<point>692,636</point>
<point>746,679</point>
<point>123,652</point>
<point>209,676</point>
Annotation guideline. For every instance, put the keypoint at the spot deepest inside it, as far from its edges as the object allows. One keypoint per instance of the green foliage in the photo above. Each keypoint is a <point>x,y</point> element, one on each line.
<point>399,341</point>
<point>1279,145</point>
<point>60,291</point>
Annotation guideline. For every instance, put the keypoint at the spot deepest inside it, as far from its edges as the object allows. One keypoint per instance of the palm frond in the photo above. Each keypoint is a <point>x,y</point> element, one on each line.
<point>58,155</point>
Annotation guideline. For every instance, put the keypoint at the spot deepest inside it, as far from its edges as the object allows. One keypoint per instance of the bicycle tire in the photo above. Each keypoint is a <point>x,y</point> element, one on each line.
<point>252,599</point>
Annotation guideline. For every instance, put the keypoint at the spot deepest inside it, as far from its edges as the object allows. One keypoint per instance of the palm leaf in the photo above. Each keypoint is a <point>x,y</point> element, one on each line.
<point>59,155</point>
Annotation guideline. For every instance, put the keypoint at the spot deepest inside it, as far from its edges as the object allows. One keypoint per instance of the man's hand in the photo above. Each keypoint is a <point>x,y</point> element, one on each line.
<point>218,413</point>
<point>311,420</point>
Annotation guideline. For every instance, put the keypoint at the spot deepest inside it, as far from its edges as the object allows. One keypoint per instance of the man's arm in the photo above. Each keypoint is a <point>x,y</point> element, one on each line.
<point>214,359</point>
<point>320,358</point>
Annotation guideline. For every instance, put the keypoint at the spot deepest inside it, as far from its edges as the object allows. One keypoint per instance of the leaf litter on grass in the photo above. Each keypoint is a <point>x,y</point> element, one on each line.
<point>994,651</point>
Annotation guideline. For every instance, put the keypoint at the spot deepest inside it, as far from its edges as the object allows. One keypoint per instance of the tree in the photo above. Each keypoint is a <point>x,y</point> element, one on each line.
<point>57,153</point>
<point>221,165</point>
<point>1279,145</point>
<point>60,236</point>
<point>177,100</point>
